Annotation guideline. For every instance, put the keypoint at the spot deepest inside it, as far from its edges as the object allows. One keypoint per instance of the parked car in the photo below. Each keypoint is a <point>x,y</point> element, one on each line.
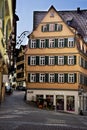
<point>21,88</point>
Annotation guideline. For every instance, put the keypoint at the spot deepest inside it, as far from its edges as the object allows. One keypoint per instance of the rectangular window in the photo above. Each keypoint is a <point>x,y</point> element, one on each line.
<point>42,60</point>
<point>32,77</point>
<point>61,42</point>
<point>71,78</point>
<point>70,103</point>
<point>61,78</point>
<point>44,28</point>
<point>33,60</point>
<point>60,60</point>
<point>59,27</point>
<point>42,78</point>
<point>33,43</point>
<point>51,43</point>
<point>70,42</point>
<point>70,60</point>
<point>51,60</point>
<point>51,27</point>
<point>51,78</point>
<point>42,43</point>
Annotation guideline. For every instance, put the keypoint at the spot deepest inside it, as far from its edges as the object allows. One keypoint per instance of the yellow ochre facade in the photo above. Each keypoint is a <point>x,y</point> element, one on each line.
<point>56,63</point>
<point>6,16</point>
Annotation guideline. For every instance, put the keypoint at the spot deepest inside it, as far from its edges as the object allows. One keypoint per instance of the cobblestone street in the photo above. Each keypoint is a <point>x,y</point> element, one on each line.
<point>16,114</point>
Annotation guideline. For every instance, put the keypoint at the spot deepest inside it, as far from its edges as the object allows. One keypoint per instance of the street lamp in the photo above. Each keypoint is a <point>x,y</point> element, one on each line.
<point>21,38</point>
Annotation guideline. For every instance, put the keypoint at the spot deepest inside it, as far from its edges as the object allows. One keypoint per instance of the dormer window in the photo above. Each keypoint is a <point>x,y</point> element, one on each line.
<point>52,14</point>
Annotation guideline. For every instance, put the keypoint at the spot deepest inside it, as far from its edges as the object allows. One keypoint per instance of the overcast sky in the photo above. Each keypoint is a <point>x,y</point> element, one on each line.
<point>25,8</point>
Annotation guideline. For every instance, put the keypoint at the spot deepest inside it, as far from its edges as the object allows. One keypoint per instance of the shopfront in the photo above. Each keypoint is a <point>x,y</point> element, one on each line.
<point>67,101</point>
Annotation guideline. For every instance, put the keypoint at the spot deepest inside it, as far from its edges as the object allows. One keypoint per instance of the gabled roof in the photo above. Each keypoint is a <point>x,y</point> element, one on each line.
<point>74,18</point>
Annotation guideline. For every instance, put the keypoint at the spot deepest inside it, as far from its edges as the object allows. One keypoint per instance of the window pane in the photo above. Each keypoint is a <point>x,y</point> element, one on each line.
<point>70,60</point>
<point>71,78</point>
<point>42,43</point>
<point>60,60</point>
<point>51,60</point>
<point>33,43</point>
<point>42,77</point>
<point>42,60</point>
<point>60,42</point>
<point>32,77</point>
<point>51,78</point>
<point>60,78</point>
<point>33,60</point>
<point>51,43</point>
<point>70,103</point>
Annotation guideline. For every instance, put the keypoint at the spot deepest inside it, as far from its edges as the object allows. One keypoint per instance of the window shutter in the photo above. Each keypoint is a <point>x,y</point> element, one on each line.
<point>65,60</point>
<point>37,77</point>
<point>61,27</point>
<point>47,27</point>
<point>29,43</point>
<point>37,43</point>
<point>56,42</point>
<point>46,77</point>
<point>56,60</point>
<point>55,27</point>
<point>56,77</point>
<point>46,60</point>
<point>37,60</point>
<point>29,60</point>
<point>74,59</point>
<point>47,43</point>
<point>66,77</point>
<point>29,77</point>
<point>75,77</point>
<point>66,42</point>
<point>42,28</point>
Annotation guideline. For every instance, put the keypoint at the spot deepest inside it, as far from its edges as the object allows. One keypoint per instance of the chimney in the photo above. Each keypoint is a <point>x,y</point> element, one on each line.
<point>78,10</point>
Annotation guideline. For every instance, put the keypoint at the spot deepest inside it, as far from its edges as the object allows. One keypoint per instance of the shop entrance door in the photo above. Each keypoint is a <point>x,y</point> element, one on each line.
<point>60,102</point>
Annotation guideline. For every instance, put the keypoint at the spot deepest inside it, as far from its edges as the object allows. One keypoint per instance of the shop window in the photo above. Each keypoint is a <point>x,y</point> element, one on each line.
<point>70,103</point>
<point>60,102</point>
<point>49,100</point>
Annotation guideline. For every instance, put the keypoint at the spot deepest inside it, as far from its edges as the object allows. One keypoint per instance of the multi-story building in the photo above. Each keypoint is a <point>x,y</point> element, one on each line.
<point>20,68</point>
<point>7,27</point>
<point>56,61</point>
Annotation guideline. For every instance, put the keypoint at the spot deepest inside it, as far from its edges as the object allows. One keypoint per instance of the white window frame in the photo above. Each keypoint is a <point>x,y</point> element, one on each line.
<point>70,60</point>
<point>61,42</point>
<point>71,42</point>
<point>71,78</point>
<point>51,60</point>
<point>32,60</point>
<point>60,60</point>
<point>42,43</point>
<point>33,43</point>
<point>51,27</point>
<point>51,43</point>
<point>61,78</point>
<point>42,60</point>
<point>44,28</point>
<point>51,78</point>
<point>42,78</point>
<point>32,77</point>
<point>58,27</point>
